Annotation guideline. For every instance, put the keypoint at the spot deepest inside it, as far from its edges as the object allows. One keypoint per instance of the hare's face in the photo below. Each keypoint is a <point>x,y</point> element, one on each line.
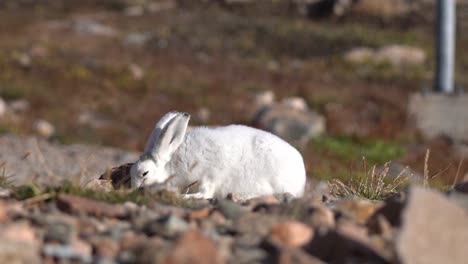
<point>146,172</point>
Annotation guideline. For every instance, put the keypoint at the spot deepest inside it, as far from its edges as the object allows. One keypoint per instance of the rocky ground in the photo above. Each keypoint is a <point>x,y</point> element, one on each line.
<point>418,225</point>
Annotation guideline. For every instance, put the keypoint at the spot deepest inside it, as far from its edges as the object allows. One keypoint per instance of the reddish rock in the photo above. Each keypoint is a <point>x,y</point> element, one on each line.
<point>198,214</point>
<point>79,205</point>
<point>291,233</point>
<point>184,250</point>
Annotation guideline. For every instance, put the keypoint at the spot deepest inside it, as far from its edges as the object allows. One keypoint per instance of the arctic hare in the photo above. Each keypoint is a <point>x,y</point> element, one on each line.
<point>233,159</point>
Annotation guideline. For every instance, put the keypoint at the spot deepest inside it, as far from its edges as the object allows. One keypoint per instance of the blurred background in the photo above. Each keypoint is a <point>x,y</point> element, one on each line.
<point>333,77</point>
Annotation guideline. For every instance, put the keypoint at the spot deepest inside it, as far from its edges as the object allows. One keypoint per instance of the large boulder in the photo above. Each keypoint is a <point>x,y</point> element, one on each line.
<point>434,230</point>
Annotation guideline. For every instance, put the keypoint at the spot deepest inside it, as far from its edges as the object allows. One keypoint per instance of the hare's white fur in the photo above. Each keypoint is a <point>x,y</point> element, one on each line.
<point>233,159</point>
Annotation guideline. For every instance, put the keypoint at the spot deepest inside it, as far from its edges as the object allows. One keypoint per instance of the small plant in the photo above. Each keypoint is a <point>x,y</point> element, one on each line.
<point>373,184</point>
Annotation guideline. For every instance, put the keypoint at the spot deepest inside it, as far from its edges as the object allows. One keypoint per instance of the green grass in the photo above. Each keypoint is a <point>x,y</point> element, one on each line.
<point>34,192</point>
<point>376,151</point>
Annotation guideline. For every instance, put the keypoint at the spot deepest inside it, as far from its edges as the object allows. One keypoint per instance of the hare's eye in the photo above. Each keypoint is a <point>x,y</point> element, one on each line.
<point>145,173</point>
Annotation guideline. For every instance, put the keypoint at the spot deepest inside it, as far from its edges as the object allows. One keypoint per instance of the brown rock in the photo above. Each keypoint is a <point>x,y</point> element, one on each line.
<point>352,230</point>
<point>357,209</point>
<point>291,233</point>
<point>130,240</point>
<point>434,230</point>
<point>297,256</point>
<point>198,214</point>
<point>321,217</point>
<point>184,250</point>
<point>79,205</point>
<point>462,187</point>
<point>3,211</point>
<point>105,247</point>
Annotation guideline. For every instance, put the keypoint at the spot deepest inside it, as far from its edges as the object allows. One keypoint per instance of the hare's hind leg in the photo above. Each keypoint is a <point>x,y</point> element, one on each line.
<point>206,191</point>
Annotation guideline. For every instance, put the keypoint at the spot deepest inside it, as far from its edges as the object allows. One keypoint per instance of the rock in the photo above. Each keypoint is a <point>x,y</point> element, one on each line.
<point>137,72</point>
<point>461,187</point>
<point>198,214</point>
<point>23,60</point>
<point>460,199</point>
<point>230,210</point>
<point>248,255</point>
<point>359,210</point>
<point>105,247</point>
<point>288,121</point>
<point>261,201</point>
<point>336,247</point>
<point>169,226</point>
<point>5,193</point>
<point>296,256</point>
<point>94,28</point>
<point>78,205</point>
<point>436,114</point>
<point>320,217</point>
<point>66,253</point>
<point>433,229</point>
<point>203,115</point>
<point>391,210</point>
<point>137,39</point>
<point>291,233</point>
<point>82,248</point>
<point>18,244</point>
<point>264,98</point>
<point>360,55</point>
<point>185,252</point>
<point>3,211</point>
<point>400,55</point>
<point>43,128</point>
<point>3,107</point>
<point>59,231</point>
<point>19,105</point>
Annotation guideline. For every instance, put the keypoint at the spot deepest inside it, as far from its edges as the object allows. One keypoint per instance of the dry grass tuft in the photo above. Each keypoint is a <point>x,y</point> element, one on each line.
<point>372,184</point>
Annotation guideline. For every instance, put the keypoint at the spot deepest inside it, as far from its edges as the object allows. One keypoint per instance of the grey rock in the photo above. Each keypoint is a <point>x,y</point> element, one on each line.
<point>94,28</point>
<point>230,210</point>
<point>434,230</point>
<point>438,114</point>
<point>59,231</point>
<point>137,38</point>
<point>26,156</point>
<point>290,120</point>
<point>168,226</point>
<point>460,199</point>
<point>19,105</point>
<point>65,252</point>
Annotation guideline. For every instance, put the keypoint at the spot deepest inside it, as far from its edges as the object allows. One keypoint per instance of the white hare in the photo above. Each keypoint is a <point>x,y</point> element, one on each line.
<point>233,159</point>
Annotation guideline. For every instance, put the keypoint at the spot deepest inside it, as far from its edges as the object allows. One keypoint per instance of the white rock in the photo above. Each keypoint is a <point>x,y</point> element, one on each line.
<point>44,128</point>
<point>400,55</point>
<point>264,98</point>
<point>20,105</point>
<point>137,72</point>
<point>3,107</point>
<point>360,55</point>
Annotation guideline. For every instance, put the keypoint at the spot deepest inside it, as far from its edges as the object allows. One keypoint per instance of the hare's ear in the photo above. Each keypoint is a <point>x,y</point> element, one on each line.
<point>157,131</point>
<point>171,136</point>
